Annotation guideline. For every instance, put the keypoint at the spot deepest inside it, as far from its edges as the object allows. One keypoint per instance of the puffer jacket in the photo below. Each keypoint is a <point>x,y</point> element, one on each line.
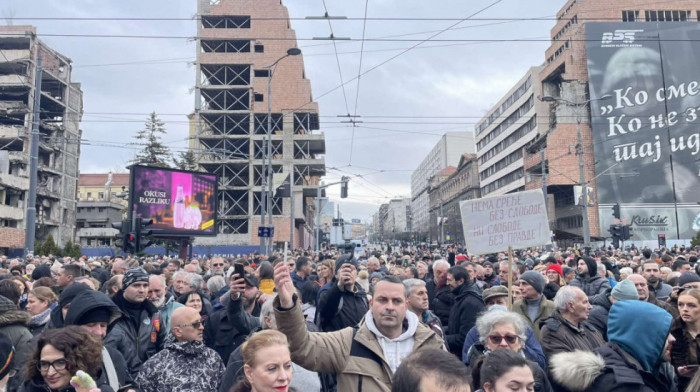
<point>181,366</point>
<point>546,309</point>
<point>14,323</point>
<point>591,283</point>
<point>442,304</point>
<point>340,309</point>
<point>559,335</point>
<point>626,363</point>
<point>356,355</point>
<point>136,345</point>
<point>598,318</point>
<point>468,304</point>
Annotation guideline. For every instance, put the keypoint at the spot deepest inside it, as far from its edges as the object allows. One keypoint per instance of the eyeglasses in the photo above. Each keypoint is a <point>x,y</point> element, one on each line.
<point>497,339</point>
<point>217,265</point>
<point>58,365</point>
<point>194,325</point>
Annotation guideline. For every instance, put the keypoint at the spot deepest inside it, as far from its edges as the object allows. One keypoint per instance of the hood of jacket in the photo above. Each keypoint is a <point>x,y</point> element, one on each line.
<point>603,300</point>
<point>576,370</point>
<point>395,350</point>
<point>87,301</point>
<point>592,267</point>
<point>10,315</point>
<point>629,320</point>
<point>191,348</point>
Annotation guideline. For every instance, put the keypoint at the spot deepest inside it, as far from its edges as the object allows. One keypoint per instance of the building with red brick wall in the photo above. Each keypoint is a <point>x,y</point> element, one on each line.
<point>565,75</point>
<point>238,41</point>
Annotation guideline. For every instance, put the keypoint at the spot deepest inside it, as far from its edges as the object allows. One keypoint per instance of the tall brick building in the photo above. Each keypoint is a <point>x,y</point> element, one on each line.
<point>238,40</point>
<point>59,141</point>
<point>565,75</point>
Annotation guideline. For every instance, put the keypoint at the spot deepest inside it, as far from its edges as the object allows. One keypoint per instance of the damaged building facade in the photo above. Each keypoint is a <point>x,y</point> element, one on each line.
<point>238,41</point>
<point>59,141</point>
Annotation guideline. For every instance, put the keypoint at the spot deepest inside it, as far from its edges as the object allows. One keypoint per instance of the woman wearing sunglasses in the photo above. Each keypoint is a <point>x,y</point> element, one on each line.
<point>500,329</point>
<point>59,354</point>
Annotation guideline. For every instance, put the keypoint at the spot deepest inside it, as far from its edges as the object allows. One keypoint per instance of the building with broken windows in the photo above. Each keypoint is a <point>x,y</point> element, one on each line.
<point>59,143</point>
<point>238,41</point>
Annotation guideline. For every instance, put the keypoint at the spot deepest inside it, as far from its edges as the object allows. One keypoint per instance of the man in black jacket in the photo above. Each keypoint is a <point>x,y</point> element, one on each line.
<point>94,312</point>
<point>345,302</point>
<point>139,333</point>
<point>468,304</point>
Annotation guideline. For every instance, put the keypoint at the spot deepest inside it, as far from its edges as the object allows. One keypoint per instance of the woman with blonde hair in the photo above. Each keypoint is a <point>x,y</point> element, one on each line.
<point>267,363</point>
<point>40,302</point>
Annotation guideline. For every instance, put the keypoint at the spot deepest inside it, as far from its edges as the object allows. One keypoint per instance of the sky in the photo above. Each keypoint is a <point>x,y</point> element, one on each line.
<point>425,69</point>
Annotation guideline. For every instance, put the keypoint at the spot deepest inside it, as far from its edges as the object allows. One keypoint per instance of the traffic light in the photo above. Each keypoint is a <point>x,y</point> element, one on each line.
<point>344,187</point>
<point>616,211</point>
<point>142,234</point>
<point>627,232</point>
<point>125,239</point>
<point>616,233</point>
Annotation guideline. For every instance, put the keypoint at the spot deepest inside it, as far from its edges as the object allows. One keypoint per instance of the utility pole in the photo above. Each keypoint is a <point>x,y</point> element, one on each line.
<point>584,187</point>
<point>544,179</point>
<point>291,209</point>
<point>30,217</point>
<point>442,223</point>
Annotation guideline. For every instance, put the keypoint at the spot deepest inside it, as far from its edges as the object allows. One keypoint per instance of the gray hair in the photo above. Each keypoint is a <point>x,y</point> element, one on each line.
<point>601,268</point>
<point>627,271</point>
<point>216,283</point>
<point>159,277</point>
<point>178,273</point>
<point>504,263</point>
<point>441,262</point>
<point>494,317</point>
<point>565,296</point>
<point>267,310</point>
<point>408,284</point>
<point>423,264</point>
<point>196,281</point>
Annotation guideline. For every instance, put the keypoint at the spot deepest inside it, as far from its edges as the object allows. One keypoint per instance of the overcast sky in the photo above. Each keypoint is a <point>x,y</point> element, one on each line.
<point>454,80</point>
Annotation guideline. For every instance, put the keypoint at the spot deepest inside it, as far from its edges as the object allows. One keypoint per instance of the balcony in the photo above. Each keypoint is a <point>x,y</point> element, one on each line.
<point>8,132</point>
<point>12,213</point>
<point>12,181</point>
<point>97,232</point>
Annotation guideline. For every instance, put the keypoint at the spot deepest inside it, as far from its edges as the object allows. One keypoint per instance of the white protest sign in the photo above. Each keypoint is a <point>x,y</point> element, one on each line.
<point>492,224</point>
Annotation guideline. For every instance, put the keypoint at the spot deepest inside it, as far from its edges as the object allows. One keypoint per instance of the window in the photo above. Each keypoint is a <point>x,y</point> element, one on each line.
<point>226,22</point>
<point>89,195</point>
<point>630,16</point>
<point>258,97</point>
<point>667,16</point>
<point>101,195</point>
<point>262,73</point>
<point>259,48</point>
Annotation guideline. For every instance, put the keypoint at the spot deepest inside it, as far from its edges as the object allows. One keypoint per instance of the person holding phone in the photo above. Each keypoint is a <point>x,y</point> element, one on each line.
<point>345,302</point>
<point>686,328</point>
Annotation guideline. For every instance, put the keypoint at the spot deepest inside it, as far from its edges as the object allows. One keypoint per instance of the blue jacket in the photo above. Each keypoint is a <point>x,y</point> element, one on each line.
<point>166,310</point>
<point>531,349</point>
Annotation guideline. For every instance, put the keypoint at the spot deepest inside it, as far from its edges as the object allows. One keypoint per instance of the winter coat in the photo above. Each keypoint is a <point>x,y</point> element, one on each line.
<point>591,286</point>
<point>181,366</point>
<point>550,290</point>
<point>228,328</point>
<point>559,335</point>
<point>339,309</point>
<point>37,384</point>
<point>626,363</point>
<point>13,324</point>
<point>546,309</point>
<point>598,317</point>
<point>432,321</point>
<point>166,310</point>
<point>298,280</point>
<point>662,292</point>
<point>429,280</point>
<point>468,304</point>
<point>136,345</point>
<point>442,304</point>
<point>39,322</point>
<point>685,350</point>
<point>362,360</point>
<point>531,348</point>
<point>100,274</point>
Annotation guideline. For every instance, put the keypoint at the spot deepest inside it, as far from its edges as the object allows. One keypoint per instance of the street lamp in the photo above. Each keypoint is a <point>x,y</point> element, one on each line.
<point>579,152</point>
<point>266,200</point>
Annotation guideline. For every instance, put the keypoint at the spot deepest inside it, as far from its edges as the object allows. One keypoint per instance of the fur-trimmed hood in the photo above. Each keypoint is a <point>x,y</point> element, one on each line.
<point>15,317</point>
<point>576,370</point>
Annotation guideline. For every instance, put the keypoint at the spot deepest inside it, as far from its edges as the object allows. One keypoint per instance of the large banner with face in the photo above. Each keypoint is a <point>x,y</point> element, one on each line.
<point>646,134</point>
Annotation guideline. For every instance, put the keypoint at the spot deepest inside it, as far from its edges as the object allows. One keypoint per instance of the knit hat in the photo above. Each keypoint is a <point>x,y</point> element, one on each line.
<point>688,277</point>
<point>41,271</point>
<point>591,264</point>
<point>487,264</point>
<point>7,355</point>
<point>624,290</point>
<point>378,275</point>
<point>567,270</point>
<point>134,275</point>
<point>557,268</point>
<point>494,292</point>
<point>99,315</point>
<point>534,279</point>
<point>345,259</point>
<point>70,292</point>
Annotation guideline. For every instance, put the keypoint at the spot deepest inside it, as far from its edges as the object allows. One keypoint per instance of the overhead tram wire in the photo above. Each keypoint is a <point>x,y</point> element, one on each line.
<point>337,59</point>
<point>359,77</point>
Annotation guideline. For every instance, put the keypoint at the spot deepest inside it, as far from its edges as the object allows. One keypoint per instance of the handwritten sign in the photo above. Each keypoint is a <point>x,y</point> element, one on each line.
<point>492,224</point>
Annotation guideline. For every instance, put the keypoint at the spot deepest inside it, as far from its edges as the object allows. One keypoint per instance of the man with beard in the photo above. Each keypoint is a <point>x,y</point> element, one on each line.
<point>626,362</point>
<point>220,333</point>
<point>162,299</point>
<point>468,304</point>
<point>588,279</point>
<point>651,273</point>
<point>138,334</point>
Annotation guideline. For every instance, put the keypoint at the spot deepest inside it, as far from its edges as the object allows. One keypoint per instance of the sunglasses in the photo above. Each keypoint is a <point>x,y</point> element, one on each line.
<point>194,325</point>
<point>217,265</point>
<point>497,339</point>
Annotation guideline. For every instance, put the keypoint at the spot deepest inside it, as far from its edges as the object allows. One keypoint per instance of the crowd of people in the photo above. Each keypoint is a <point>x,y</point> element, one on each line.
<point>410,319</point>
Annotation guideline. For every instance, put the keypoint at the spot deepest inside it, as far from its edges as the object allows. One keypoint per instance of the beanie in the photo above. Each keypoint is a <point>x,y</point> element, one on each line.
<point>567,270</point>
<point>134,275</point>
<point>592,266</point>
<point>345,259</point>
<point>624,290</point>
<point>98,315</point>
<point>70,292</point>
<point>688,277</point>
<point>534,279</point>
<point>7,356</point>
<point>42,271</point>
<point>557,268</point>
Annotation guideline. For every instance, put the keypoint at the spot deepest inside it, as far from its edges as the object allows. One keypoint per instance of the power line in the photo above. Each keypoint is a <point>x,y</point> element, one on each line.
<point>359,77</point>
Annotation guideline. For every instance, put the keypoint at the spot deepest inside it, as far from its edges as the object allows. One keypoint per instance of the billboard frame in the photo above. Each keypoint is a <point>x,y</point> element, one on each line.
<point>165,234</point>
